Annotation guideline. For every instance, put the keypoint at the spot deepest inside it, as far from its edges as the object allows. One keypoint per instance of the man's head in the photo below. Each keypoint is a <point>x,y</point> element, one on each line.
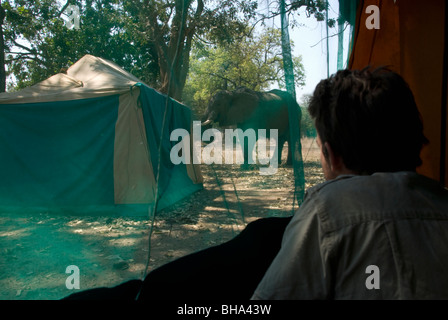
<point>367,122</point>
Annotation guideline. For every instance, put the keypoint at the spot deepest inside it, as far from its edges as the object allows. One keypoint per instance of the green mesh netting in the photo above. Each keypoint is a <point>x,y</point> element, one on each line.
<point>58,210</point>
<point>61,231</point>
<point>347,14</point>
<point>60,228</point>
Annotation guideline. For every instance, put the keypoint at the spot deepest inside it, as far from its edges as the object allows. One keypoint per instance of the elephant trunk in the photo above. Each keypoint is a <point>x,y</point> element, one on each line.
<point>209,119</point>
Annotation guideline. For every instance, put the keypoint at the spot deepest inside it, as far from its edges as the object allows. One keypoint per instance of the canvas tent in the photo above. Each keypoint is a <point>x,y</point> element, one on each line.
<point>88,141</point>
<point>411,40</point>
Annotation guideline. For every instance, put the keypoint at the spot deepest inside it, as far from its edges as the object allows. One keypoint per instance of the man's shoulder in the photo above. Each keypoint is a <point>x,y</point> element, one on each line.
<point>396,182</point>
<point>379,196</point>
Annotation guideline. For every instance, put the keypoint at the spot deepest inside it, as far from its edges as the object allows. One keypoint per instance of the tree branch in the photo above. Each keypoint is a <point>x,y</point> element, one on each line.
<point>22,55</point>
<point>222,78</point>
<point>331,36</point>
<point>63,9</point>
<point>31,51</point>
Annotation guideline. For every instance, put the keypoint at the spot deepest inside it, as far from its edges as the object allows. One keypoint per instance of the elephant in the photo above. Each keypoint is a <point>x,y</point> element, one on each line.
<point>247,108</point>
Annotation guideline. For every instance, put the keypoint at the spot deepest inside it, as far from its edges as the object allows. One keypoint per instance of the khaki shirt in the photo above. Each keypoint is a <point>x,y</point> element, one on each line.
<point>383,236</point>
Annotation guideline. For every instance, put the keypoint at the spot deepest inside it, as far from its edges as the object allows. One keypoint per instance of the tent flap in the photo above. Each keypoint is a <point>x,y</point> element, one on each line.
<point>174,181</point>
<point>411,41</point>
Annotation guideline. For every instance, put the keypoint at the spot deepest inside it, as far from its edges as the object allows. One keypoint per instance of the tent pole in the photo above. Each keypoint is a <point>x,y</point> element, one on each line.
<point>443,111</point>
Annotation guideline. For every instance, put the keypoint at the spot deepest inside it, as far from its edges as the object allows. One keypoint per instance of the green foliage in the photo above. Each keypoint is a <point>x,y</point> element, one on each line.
<point>145,38</point>
<point>172,26</point>
<point>307,124</point>
<point>39,44</point>
<point>254,61</point>
<point>316,8</point>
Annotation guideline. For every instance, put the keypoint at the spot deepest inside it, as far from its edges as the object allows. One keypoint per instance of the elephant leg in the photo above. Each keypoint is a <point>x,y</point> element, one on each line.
<point>250,150</point>
<point>248,140</point>
<point>289,157</point>
<point>289,154</point>
<point>281,143</point>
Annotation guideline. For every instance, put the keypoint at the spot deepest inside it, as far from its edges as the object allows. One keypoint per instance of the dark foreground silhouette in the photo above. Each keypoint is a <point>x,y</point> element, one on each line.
<point>231,270</point>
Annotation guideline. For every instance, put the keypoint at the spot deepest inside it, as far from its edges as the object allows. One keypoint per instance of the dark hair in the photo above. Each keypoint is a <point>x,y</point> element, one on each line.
<point>370,119</point>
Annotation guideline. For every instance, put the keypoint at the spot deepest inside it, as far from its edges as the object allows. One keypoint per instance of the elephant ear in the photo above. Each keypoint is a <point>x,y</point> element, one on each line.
<point>218,105</point>
<point>243,105</point>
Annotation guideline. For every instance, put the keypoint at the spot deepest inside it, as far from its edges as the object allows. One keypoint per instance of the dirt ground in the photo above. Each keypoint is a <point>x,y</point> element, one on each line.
<point>35,250</point>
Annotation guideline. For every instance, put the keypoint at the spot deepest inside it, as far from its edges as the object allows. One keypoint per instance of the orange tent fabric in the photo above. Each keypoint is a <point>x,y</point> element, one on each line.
<point>411,40</point>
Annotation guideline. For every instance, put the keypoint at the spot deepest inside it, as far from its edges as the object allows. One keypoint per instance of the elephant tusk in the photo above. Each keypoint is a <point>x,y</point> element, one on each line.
<point>206,122</point>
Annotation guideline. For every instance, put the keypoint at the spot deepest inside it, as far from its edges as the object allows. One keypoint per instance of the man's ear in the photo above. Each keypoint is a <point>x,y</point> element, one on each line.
<point>334,161</point>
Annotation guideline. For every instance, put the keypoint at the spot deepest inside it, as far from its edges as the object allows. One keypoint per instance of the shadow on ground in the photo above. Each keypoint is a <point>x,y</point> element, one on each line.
<point>36,249</point>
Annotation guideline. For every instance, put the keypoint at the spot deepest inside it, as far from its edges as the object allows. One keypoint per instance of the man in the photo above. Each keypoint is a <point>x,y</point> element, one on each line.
<point>375,229</point>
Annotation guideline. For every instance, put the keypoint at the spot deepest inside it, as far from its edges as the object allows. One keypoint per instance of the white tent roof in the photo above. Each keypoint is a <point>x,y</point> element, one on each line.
<point>88,77</point>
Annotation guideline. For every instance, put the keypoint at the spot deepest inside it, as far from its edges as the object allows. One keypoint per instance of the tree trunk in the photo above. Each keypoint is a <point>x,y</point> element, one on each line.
<point>174,57</point>
<point>2,52</point>
<point>174,52</point>
<point>288,65</point>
